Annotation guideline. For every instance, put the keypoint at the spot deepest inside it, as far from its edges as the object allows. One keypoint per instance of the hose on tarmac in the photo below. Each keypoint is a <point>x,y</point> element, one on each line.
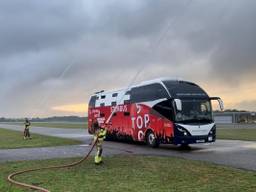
<point>40,189</point>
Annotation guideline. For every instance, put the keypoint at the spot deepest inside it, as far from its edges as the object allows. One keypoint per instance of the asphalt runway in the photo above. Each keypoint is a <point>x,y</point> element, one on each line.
<point>233,153</point>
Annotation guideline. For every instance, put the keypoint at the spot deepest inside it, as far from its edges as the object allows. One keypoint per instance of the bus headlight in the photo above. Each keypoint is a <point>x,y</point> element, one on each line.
<point>213,130</point>
<point>180,129</point>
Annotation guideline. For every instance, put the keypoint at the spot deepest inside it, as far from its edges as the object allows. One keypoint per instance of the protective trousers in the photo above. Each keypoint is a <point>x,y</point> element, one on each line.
<point>99,137</point>
<point>98,155</point>
<point>26,133</point>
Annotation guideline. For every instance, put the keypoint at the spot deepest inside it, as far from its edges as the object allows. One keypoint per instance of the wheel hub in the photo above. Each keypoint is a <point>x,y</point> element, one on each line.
<point>151,138</point>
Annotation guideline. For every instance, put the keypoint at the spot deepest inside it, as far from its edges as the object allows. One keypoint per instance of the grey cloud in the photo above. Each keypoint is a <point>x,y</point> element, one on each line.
<point>137,19</point>
<point>226,31</point>
<point>107,42</point>
<point>34,25</point>
<point>222,31</point>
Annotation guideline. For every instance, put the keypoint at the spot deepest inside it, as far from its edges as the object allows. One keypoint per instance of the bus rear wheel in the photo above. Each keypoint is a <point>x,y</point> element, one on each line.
<point>151,140</point>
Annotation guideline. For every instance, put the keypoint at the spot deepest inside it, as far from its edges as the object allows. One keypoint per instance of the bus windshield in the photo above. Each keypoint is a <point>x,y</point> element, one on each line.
<point>195,111</point>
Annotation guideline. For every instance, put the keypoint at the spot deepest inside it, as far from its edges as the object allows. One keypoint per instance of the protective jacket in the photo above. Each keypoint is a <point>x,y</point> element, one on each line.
<point>101,134</point>
<point>27,124</point>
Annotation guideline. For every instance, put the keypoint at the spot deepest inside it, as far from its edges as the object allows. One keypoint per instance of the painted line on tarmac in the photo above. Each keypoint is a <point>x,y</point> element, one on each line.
<point>84,145</point>
<point>250,146</point>
<point>68,135</point>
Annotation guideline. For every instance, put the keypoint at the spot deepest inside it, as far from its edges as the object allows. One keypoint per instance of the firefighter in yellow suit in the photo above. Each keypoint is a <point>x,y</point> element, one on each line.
<point>99,135</point>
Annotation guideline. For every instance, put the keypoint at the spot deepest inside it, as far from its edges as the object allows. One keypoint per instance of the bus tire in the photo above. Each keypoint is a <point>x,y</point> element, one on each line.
<point>151,140</point>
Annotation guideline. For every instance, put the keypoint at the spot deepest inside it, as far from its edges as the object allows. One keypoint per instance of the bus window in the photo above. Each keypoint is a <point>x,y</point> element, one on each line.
<point>113,103</point>
<point>165,109</point>
<point>126,101</point>
<point>92,101</point>
<point>114,94</point>
<point>148,93</point>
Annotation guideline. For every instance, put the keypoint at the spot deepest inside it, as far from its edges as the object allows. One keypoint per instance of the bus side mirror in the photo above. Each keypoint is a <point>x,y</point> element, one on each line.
<point>221,104</point>
<point>178,104</point>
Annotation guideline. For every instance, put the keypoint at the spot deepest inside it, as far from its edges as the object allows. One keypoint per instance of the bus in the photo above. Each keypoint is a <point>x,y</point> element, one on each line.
<point>159,111</point>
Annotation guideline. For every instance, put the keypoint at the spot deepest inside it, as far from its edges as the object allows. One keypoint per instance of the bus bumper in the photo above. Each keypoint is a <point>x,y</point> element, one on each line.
<point>194,139</point>
<point>182,136</point>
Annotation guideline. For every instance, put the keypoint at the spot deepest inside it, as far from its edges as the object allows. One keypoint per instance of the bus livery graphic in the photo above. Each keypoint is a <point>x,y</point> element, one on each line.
<point>156,111</point>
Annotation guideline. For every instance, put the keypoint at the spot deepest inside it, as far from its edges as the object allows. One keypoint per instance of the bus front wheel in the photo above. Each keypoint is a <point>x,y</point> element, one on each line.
<point>151,140</point>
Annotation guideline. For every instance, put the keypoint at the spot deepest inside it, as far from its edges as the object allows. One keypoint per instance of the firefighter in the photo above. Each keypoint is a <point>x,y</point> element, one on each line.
<point>99,136</point>
<point>26,130</point>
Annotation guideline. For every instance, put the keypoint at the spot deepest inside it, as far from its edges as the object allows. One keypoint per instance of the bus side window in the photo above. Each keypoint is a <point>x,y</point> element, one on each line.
<point>92,101</point>
<point>148,93</point>
<point>165,109</point>
<point>113,103</point>
<point>114,94</point>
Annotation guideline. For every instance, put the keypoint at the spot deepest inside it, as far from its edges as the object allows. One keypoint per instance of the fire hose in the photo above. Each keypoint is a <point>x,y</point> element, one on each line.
<point>30,186</point>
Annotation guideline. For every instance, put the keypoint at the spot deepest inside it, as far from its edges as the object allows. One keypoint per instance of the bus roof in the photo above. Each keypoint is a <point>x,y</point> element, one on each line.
<point>143,83</point>
<point>171,88</point>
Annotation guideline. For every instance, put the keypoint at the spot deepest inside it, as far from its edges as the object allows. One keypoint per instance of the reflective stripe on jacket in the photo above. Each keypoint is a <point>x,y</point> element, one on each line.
<point>101,134</point>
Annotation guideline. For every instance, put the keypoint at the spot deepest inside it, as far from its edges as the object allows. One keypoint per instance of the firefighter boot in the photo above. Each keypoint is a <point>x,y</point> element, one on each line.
<point>98,157</point>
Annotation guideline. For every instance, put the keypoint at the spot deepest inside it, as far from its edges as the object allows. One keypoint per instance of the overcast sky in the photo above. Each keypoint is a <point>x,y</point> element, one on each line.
<point>55,54</point>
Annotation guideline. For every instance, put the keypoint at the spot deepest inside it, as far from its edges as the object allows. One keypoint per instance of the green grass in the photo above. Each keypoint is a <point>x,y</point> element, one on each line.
<point>237,134</point>
<point>14,139</point>
<point>55,124</point>
<point>134,173</point>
